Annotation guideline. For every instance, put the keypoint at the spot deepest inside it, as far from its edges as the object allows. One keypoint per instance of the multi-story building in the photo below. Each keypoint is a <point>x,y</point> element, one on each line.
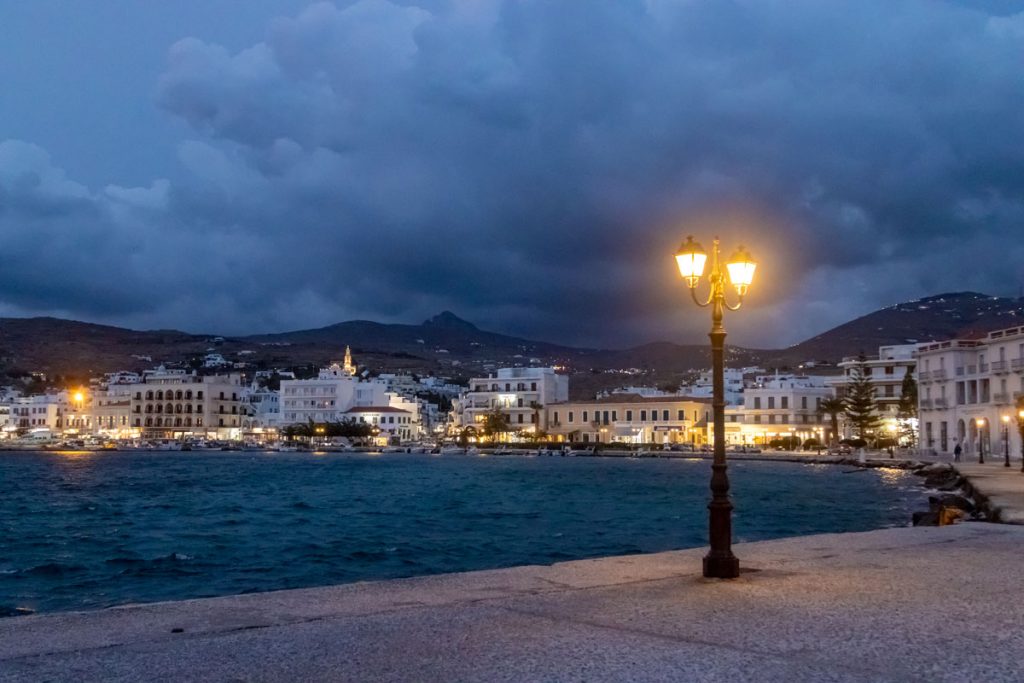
<point>627,418</point>
<point>968,391</point>
<point>886,372</point>
<point>776,407</point>
<point>393,425</point>
<point>336,391</point>
<point>174,404</point>
<point>519,393</point>
<point>36,414</point>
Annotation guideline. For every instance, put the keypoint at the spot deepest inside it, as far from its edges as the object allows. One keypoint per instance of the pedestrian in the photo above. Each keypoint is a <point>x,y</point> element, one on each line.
<point>956,453</point>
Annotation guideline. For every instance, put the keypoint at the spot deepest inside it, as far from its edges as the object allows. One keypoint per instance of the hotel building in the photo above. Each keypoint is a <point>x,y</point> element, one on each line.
<point>171,404</point>
<point>886,372</point>
<point>778,407</point>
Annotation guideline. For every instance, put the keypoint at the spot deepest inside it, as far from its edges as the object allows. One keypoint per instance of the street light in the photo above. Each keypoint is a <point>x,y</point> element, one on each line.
<point>980,422</point>
<point>719,562</point>
<point>1020,428</point>
<point>1006,440</point>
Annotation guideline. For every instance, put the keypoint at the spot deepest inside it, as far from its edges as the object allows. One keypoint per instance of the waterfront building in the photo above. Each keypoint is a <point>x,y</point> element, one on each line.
<point>262,409</point>
<point>886,372</point>
<point>632,419</point>
<point>776,407</point>
<point>38,415</point>
<point>519,393</point>
<point>392,425</point>
<point>964,381</point>
<point>172,404</point>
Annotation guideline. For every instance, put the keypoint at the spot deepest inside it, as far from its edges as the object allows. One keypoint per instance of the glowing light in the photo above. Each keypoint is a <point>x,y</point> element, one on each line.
<point>79,397</point>
<point>741,268</point>
<point>691,258</point>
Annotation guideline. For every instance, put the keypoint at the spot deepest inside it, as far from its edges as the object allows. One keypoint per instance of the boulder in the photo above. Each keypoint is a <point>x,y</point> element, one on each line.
<point>926,518</point>
<point>950,500</point>
<point>934,468</point>
<point>941,479</point>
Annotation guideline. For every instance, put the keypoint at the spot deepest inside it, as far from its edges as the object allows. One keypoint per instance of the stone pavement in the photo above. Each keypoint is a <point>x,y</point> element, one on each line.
<point>908,604</point>
<point>1001,486</point>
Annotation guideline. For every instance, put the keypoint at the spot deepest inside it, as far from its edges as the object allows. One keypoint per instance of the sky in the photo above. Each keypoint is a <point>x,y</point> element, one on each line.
<point>531,165</point>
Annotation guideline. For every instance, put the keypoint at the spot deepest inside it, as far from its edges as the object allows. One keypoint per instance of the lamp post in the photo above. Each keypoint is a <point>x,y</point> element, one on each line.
<point>1020,428</point>
<point>719,563</point>
<point>979,423</point>
<point>1006,440</point>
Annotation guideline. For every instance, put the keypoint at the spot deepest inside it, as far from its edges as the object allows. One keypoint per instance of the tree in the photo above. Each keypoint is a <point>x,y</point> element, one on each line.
<point>495,422</point>
<point>833,407</point>
<point>860,408</point>
<point>906,411</point>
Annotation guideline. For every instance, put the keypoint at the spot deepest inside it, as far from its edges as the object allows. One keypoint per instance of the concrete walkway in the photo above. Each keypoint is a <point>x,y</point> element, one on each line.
<point>909,604</point>
<point>1001,486</point>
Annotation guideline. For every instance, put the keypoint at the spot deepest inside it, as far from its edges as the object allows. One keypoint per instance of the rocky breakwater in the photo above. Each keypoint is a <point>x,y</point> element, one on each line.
<point>952,500</point>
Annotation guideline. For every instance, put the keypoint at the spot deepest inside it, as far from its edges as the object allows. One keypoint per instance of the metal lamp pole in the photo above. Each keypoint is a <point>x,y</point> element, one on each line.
<point>719,563</point>
<point>1006,440</point>
<point>979,423</point>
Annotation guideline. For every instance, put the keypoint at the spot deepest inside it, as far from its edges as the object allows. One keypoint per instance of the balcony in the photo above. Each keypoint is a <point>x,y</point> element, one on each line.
<point>926,404</point>
<point>983,368</point>
<point>972,369</point>
<point>1000,367</point>
<point>1000,397</point>
<point>924,376</point>
<point>1017,364</point>
<point>939,375</point>
<point>941,404</point>
<point>960,371</point>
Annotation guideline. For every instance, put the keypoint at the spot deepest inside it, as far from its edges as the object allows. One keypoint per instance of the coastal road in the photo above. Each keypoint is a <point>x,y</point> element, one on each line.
<point>908,604</point>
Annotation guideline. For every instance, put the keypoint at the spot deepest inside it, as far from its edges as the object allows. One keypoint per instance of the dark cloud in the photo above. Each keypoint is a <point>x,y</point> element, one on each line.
<point>532,165</point>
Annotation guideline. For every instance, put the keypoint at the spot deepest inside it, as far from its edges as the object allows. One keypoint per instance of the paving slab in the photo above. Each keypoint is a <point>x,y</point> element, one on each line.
<point>909,604</point>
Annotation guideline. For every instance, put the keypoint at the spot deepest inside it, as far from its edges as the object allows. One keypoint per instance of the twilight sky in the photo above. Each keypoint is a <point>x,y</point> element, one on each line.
<point>257,166</point>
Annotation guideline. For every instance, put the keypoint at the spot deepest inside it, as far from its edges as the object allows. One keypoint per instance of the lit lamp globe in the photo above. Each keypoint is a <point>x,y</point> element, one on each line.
<point>741,268</point>
<point>691,258</point>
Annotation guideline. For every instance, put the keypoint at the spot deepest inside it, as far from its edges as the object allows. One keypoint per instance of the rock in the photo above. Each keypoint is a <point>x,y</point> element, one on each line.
<point>8,611</point>
<point>926,518</point>
<point>950,500</point>
<point>940,479</point>
<point>934,468</point>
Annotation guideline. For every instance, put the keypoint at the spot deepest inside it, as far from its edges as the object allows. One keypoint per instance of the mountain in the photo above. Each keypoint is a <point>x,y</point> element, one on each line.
<point>449,345</point>
<point>944,316</point>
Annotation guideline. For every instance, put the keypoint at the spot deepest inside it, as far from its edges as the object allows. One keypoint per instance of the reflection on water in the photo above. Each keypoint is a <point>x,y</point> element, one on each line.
<point>81,529</point>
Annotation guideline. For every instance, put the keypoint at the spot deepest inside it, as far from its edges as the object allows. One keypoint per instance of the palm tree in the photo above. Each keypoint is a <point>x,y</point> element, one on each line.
<point>832,406</point>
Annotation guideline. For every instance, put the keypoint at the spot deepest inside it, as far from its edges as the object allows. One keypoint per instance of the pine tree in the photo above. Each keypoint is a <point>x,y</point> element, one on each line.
<point>860,408</point>
<point>906,411</point>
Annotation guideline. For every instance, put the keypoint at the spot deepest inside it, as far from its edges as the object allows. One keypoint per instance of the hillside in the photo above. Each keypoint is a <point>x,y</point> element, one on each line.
<point>448,345</point>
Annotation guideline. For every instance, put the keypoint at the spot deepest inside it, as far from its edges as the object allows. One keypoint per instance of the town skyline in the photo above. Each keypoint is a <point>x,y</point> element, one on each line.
<point>303,163</point>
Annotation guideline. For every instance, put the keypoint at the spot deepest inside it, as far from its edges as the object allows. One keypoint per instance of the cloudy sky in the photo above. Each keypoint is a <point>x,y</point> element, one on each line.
<point>531,165</point>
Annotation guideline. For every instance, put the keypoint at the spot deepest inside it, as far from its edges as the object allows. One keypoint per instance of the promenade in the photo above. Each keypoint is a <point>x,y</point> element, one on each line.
<point>907,604</point>
<point>1001,487</point>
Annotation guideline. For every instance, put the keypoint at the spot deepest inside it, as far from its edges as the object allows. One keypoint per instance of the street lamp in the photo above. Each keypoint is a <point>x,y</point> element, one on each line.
<point>719,562</point>
<point>980,422</point>
<point>1020,428</point>
<point>1006,440</point>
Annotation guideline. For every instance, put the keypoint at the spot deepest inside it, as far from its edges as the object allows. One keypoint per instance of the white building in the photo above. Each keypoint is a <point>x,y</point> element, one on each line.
<point>777,407</point>
<point>336,391</point>
<point>968,391</point>
<point>519,393</point>
<point>886,372</point>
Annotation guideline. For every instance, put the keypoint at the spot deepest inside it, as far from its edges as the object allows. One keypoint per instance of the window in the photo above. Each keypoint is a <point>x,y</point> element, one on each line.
<point>533,386</point>
<point>757,403</point>
<point>664,415</point>
<point>803,402</point>
<point>554,417</point>
<point>629,416</point>
<point>605,419</point>
<point>615,416</point>
<point>570,417</point>
<point>785,401</point>
<point>681,416</point>
<point>771,402</point>
<point>520,420</point>
<point>643,416</point>
<point>584,416</point>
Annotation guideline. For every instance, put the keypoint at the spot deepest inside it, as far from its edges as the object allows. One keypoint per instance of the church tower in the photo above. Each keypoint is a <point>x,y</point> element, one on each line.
<point>348,366</point>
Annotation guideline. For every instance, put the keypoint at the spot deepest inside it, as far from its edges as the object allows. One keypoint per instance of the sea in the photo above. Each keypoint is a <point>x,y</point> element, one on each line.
<point>86,530</point>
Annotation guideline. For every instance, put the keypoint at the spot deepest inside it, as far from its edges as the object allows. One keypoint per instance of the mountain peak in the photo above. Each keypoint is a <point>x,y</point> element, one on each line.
<point>449,320</point>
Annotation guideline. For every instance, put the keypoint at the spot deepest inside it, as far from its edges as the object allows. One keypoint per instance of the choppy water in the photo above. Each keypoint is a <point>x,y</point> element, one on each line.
<point>90,530</point>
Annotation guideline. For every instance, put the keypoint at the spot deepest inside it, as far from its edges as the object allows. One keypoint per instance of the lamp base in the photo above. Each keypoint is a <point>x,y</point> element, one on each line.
<point>727,567</point>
